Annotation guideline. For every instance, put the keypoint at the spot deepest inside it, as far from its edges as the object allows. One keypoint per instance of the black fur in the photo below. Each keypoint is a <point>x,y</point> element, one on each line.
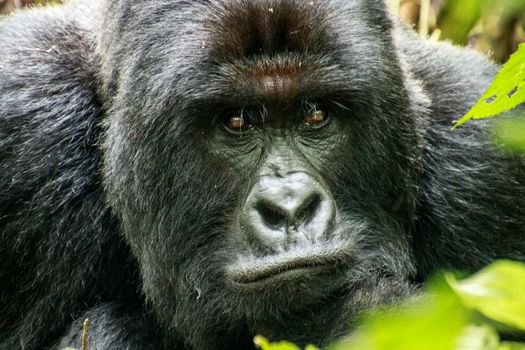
<point>119,201</point>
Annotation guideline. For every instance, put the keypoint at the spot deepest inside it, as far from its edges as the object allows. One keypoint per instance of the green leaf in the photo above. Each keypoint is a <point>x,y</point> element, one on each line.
<point>264,344</point>
<point>506,92</point>
<point>477,337</point>
<point>311,347</point>
<point>511,346</point>
<point>446,317</point>
<point>432,323</point>
<point>498,292</point>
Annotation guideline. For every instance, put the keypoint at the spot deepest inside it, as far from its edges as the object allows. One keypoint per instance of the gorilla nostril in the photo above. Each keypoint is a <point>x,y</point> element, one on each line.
<point>278,216</point>
<point>271,215</point>
<point>307,211</point>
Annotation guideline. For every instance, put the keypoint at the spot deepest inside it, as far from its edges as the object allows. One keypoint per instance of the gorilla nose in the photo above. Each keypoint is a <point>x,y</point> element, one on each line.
<point>288,209</point>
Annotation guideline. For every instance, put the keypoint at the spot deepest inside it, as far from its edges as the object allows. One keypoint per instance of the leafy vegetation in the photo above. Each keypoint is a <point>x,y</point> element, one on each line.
<point>453,314</point>
<point>506,92</point>
<point>493,27</point>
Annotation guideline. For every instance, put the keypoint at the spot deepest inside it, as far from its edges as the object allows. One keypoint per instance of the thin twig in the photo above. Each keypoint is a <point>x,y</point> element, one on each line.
<point>85,330</point>
<point>424,14</point>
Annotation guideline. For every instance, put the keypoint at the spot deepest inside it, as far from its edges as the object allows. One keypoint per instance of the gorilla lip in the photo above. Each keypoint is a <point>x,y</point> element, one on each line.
<point>255,270</point>
<point>256,275</point>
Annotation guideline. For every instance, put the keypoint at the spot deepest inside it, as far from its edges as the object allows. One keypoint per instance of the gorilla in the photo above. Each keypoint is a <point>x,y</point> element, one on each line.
<point>189,173</point>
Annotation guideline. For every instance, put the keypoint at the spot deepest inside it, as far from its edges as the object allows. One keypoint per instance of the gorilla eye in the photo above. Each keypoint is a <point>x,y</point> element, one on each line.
<point>236,122</point>
<point>315,117</point>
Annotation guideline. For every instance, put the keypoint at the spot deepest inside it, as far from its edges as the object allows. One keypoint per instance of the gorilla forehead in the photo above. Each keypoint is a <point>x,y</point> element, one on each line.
<point>239,29</point>
<point>205,41</point>
<point>242,29</point>
<point>227,30</point>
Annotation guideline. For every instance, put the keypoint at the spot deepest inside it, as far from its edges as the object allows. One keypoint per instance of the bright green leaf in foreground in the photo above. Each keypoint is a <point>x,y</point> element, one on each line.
<point>506,91</point>
<point>446,317</point>
<point>511,346</point>
<point>432,323</point>
<point>476,337</point>
<point>264,344</point>
<point>498,292</point>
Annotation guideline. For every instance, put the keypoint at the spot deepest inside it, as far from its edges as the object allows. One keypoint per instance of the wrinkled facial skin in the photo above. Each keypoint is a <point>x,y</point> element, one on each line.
<point>280,200</point>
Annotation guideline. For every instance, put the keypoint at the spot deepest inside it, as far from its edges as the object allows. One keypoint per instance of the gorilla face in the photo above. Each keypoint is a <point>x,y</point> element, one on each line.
<point>262,160</point>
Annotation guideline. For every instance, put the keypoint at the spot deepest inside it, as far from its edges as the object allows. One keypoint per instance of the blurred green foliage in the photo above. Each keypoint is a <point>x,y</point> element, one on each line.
<point>453,314</point>
<point>457,18</point>
<point>493,27</point>
<point>509,133</point>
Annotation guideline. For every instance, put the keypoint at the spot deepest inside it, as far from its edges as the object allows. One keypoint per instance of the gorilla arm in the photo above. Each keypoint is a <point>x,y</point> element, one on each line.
<point>49,185</point>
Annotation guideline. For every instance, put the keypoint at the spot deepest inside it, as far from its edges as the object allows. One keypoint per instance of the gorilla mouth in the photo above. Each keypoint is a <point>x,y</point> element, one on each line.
<point>254,270</point>
<point>288,268</point>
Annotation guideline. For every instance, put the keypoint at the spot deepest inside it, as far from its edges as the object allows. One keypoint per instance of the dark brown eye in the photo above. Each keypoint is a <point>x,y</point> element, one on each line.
<point>315,118</point>
<point>236,122</point>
